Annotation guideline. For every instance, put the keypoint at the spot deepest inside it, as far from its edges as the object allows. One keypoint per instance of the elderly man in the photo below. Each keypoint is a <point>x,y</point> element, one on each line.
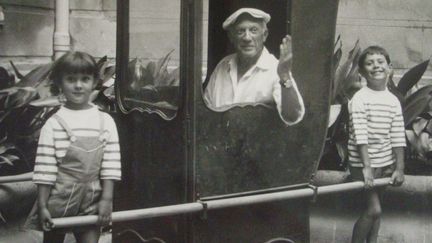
<point>252,74</point>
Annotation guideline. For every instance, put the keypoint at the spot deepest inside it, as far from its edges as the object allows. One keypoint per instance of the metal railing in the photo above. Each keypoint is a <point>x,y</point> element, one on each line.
<point>16,178</point>
<point>202,206</point>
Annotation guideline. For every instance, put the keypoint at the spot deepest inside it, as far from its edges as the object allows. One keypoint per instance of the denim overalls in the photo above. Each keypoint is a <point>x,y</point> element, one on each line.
<point>78,188</point>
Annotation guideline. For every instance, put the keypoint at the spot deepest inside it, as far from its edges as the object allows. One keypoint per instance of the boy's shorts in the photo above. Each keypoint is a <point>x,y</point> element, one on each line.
<point>356,173</point>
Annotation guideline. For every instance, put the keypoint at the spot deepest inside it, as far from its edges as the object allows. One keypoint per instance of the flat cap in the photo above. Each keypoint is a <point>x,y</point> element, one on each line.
<point>256,13</point>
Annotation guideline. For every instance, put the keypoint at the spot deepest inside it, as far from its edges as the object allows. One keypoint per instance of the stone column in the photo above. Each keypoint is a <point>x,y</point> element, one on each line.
<point>61,31</point>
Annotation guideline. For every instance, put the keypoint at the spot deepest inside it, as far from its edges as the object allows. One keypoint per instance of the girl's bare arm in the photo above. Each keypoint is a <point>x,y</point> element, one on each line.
<point>105,203</point>
<point>44,215</point>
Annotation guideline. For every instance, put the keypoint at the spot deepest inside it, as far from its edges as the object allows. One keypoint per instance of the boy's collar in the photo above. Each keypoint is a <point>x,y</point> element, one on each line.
<point>373,90</point>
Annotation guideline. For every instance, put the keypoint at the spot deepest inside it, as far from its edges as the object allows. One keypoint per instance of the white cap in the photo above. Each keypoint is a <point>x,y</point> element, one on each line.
<point>256,13</point>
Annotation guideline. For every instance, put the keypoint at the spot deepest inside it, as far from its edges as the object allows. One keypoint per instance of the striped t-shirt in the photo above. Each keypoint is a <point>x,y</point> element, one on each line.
<point>54,142</point>
<point>376,120</point>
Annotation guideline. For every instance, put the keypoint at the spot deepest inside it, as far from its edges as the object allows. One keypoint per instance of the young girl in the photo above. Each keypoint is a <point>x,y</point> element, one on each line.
<point>78,156</point>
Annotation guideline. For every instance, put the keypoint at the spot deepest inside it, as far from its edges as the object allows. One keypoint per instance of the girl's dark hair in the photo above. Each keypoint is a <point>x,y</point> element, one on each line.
<point>72,62</point>
<point>373,50</point>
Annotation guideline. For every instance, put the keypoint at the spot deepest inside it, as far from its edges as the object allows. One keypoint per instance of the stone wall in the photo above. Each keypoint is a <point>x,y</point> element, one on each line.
<point>27,34</point>
<point>403,27</point>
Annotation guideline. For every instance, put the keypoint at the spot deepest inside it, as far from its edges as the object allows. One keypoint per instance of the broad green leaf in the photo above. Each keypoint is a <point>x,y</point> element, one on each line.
<point>336,58</point>
<point>428,116</point>
<point>4,114</point>
<point>8,159</point>
<point>342,77</point>
<point>162,65</point>
<point>419,143</point>
<point>162,79</point>
<point>334,114</point>
<point>6,146</point>
<point>147,74</point>
<point>15,97</point>
<point>419,124</point>
<point>410,78</point>
<point>17,72</point>
<point>342,150</point>
<point>174,77</point>
<point>36,76</point>
<point>102,62</point>
<point>51,101</point>
<point>134,74</point>
<point>338,41</point>
<point>94,94</point>
<point>109,92</point>
<point>416,104</point>
<point>105,70</point>
<point>392,88</point>
<point>6,79</point>
<point>151,69</point>
<point>108,73</point>
<point>101,100</point>
<point>2,218</point>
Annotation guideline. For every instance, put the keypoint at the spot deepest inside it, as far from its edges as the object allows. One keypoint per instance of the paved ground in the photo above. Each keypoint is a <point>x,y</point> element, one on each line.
<point>406,217</point>
<point>407,214</point>
<point>11,233</point>
<point>327,226</point>
<point>332,226</point>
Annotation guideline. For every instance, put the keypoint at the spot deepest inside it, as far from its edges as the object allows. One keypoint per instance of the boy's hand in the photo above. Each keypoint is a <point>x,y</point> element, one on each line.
<point>368,177</point>
<point>45,219</point>
<point>397,178</point>
<point>285,60</point>
<point>104,211</point>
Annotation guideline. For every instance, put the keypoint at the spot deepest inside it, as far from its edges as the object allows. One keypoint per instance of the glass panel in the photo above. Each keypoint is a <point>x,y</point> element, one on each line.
<point>243,57</point>
<point>154,53</point>
<point>245,147</point>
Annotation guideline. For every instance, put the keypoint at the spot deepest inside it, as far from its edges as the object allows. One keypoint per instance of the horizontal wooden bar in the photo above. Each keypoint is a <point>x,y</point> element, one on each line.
<point>16,178</point>
<point>195,207</point>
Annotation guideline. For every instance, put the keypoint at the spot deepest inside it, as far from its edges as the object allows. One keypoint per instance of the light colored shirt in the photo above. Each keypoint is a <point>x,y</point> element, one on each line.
<point>54,142</point>
<point>376,120</point>
<point>260,84</point>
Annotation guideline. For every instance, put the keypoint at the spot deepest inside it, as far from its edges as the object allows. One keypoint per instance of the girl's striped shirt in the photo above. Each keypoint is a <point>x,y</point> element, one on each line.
<point>54,142</point>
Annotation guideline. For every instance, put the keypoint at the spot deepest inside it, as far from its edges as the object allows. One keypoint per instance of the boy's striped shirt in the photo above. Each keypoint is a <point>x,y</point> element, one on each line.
<point>376,120</point>
<point>54,142</point>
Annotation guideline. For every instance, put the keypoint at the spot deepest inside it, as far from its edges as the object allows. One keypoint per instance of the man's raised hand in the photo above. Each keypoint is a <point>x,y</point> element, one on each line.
<point>285,60</point>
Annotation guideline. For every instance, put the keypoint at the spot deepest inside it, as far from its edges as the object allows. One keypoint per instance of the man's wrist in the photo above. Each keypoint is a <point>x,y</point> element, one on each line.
<point>288,83</point>
<point>106,199</point>
<point>42,206</point>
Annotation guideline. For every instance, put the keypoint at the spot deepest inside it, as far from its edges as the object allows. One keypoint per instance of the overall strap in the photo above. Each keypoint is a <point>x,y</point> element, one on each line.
<point>63,124</point>
<point>102,136</point>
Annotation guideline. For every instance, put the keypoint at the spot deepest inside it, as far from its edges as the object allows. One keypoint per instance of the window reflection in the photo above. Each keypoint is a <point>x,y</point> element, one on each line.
<point>152,83</point>
<point>247,72</point>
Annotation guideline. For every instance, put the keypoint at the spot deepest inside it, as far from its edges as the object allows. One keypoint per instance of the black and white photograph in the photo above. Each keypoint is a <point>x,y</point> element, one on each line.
<point>215,121</point>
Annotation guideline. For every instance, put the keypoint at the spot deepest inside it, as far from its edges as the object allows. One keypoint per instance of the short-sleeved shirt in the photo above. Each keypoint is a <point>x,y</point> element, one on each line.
<point>375,120</point>
<point>260,84</point>
<point>54,142</point>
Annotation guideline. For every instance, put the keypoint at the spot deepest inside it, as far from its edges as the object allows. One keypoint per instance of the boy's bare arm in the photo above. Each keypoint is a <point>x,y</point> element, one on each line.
<point>367,169</point>
<point>398,175</point>
<point>105,203</point>
<point>44,215</point>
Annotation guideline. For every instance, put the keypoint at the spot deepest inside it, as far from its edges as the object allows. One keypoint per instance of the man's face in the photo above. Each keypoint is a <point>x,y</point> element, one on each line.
<point>248,36</point>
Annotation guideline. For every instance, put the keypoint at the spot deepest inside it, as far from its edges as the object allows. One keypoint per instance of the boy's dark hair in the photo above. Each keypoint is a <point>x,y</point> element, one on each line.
<point>72,62</point>
<point>373,50</point>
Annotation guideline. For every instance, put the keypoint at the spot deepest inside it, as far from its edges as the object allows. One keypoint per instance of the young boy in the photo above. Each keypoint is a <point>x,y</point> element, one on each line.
<point>377,138</point>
